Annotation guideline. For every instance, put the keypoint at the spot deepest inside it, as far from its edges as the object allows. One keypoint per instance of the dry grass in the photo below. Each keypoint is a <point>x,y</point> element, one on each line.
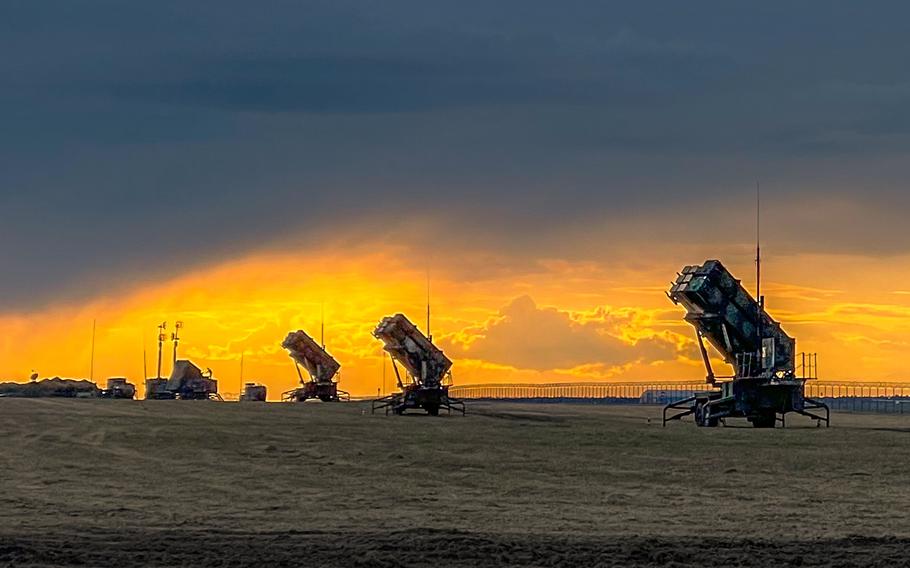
<point>196,483</point>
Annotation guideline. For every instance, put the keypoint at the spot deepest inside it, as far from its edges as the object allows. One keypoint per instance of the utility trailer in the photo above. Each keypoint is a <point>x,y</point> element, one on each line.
<point>155,389</point>
<point>321,367</point>
<point>764,387</point>
<point>254,392</point>
<point>118,387</point>
<point>427,370</point>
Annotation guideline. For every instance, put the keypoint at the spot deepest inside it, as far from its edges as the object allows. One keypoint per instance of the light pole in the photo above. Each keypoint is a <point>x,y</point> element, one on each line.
<point>161,339</point>
<point>176,338</point>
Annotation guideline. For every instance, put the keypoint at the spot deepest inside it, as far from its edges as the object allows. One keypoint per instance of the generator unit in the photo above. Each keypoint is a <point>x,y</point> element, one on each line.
<point>118,387</point>
<point>155,389</point>
<point>321,367</point>
<point>427,377</point>
<point>764,386</point>
<point>253,392</point>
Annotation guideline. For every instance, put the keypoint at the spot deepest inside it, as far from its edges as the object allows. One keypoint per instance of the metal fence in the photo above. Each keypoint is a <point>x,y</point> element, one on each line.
<point>852,396</point>
<point>866,404</point>
<point>648,393</point>
<point>825,389</point>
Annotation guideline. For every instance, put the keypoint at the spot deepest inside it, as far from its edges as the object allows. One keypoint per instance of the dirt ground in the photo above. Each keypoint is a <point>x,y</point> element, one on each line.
<point>170,483</point>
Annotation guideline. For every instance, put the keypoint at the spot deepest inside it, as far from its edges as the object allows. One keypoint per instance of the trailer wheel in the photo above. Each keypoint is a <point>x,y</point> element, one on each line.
<point>432,409</point>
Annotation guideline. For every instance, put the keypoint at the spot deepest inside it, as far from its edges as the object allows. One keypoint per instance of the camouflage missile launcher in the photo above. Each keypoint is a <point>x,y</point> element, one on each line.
<point>764,386</point>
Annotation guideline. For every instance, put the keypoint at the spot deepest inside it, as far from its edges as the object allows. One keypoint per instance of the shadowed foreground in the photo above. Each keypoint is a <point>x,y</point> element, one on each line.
<point>197,483</point>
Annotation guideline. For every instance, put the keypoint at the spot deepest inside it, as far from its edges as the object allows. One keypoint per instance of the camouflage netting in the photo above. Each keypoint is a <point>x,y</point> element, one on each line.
<point>55,387</point>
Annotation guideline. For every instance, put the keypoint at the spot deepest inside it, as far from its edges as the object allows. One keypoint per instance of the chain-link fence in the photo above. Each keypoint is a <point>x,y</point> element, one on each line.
<point>842,396</point>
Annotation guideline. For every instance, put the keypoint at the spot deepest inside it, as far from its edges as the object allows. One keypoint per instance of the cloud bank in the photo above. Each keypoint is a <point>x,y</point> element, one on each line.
<point>528,337</point>
<point>141,141</point>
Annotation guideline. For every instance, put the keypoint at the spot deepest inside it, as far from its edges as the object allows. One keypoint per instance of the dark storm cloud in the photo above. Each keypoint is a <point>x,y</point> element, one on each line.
<point>142,138</point>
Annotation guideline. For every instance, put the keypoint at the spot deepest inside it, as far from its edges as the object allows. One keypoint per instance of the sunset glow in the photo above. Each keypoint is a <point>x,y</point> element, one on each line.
<point>557,321</point>
<point>552,168</point>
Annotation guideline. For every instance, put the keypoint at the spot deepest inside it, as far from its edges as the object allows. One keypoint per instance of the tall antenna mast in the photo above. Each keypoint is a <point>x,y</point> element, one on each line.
<point>429,333</point>
<point>91,373</point>
<point>145,361</point>
<point>758,242</point>
<point>161,338</point>
<point>175,337</point>
<point>761,301</point>
<point>322,328</point>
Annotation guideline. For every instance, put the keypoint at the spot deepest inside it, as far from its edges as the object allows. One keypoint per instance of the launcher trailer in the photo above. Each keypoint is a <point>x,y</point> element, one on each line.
<point>427,370</point>
<point>321,367</point>
<point>764,387</point>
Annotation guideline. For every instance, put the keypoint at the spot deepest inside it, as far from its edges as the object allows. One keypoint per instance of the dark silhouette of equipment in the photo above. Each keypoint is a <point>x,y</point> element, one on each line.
<point>426,385</point>
<point>187,382</point>
<point>55,387</point>
<point>253,392</point>
<point>162,336</point>
<point>764,387</point>
<point>175,337</point>
<point>321,367</point>
<point>118,387</point>
<point>154,389</point>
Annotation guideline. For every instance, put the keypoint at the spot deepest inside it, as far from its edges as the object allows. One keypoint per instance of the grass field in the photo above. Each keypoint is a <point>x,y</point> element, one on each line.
<point>172,483</point>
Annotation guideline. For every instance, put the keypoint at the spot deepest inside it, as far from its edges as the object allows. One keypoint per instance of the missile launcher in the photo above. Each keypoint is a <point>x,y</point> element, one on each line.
<point>321,367</point>
<point>764,386</point>
<point>427,371</point>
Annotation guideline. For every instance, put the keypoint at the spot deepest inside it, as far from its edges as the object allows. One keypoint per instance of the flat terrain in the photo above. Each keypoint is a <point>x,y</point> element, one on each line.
<point>169,483</point>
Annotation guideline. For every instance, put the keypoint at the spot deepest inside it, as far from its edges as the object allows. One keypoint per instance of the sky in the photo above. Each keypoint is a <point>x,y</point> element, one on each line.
<point>244,167</point>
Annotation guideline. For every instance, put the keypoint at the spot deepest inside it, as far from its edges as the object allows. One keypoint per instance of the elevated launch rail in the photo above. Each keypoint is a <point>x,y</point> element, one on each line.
<point>321,367</point>
<point>427,370</point>
<point>735,324</point>
<point>764,387</point>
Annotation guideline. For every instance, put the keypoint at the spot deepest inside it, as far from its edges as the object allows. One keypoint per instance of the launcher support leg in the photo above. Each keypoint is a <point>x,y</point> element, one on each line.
<point>816,405</point>
<point>679,405</point>
<point>397,374</point>
<point>709,378</point>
